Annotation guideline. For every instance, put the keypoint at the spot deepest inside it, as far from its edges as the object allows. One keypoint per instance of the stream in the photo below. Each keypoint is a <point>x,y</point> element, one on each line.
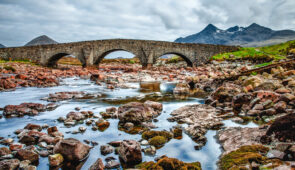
<point>182,149</point>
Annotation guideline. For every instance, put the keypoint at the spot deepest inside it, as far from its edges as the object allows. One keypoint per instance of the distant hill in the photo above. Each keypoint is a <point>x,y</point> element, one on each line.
<point>2,46</point>
<point>41,40</point>
<point>253,35</point>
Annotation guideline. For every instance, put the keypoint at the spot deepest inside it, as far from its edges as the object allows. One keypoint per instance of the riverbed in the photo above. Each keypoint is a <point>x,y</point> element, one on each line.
<point>182,149</point>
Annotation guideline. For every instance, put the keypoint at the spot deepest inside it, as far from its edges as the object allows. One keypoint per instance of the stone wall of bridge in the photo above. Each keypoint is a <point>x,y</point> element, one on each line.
<point>92,52</point>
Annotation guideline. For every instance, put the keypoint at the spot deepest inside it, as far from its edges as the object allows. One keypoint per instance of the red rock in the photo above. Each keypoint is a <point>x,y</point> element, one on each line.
<point>130,152</point>
<point>97,165</point>
<point>15,146</point>
<point>24,154</point>
<point>72,149</point>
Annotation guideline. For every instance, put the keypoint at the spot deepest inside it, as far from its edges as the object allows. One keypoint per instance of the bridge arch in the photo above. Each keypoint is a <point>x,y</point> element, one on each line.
<point>52,61</point>
<point>102,55</point>
<point>184,57</point>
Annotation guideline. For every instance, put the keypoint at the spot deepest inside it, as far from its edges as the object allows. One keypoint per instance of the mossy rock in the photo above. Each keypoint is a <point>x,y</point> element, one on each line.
<point>158,141</point>
<point>242,156</point>
<point>177,133</point>
<point>169,164</point>
<point>9,68</point>
<point>150,134</point>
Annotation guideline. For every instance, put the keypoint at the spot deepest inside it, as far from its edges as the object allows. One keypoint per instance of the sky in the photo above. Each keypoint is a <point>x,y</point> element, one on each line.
<point>166,20</point>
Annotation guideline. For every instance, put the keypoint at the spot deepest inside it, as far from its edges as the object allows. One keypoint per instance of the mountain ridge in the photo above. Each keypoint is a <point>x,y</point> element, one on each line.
<point>2,46</point>
<point>253,35</point>
<point>41,40</point>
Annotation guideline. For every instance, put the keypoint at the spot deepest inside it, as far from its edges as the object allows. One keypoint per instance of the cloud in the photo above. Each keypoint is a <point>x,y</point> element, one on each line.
<point>74,20</point>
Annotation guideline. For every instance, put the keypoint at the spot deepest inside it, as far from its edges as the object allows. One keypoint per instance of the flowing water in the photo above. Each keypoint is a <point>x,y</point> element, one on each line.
<point>182,149</point>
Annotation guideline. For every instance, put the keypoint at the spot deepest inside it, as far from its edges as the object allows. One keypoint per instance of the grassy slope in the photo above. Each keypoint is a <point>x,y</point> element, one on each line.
<point>274,52</point>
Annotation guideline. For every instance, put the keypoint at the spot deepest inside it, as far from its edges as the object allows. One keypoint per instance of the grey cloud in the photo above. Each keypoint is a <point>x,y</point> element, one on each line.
<point>74,20</point>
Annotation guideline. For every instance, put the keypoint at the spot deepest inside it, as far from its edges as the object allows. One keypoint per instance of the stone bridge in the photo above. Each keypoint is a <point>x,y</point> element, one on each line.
<point>92,52</point>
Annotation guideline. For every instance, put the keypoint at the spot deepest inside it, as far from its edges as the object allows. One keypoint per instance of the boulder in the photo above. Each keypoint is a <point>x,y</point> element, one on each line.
<point>136,112</point>
<point>72,149</point>
<point>55,160</point>
<point>106,149</point>
<point>130,152</point>
<point>9,164</point>
<point>26,154</point>
<point>97,165</point>
<point>283,128</point>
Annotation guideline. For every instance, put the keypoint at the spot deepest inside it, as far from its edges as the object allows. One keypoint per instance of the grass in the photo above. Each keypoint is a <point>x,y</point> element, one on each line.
<point>262,65</point>
<point>268,53</point>
<point>15,61</point>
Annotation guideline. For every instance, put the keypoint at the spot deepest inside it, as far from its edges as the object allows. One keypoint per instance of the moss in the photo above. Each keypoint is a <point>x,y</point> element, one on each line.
<point>150,134</point>
<point>243,156</point>
<point>9,68</point>
<point>169,164</point>
<point>158,141</point>
<point>177,133</point>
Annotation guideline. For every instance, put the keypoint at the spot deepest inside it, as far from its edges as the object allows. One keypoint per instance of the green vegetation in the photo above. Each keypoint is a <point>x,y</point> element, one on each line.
<point>132,62</point>
<point>150,134</point>
<point>267,53</point>
<point>9,68</point>
<point>174,59</point>
<point>169,164</point>
<point>15,61</point>
<point>245,155</point>
<point>262,65</point>
<point>158,141</point>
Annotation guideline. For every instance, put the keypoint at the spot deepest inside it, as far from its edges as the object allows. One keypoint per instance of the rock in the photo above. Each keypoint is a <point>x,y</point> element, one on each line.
<point>72,149</point>
<point>199,117</point>
<point>111,110</point>
<point>33,127</point>
<point>177,132</point>
<point>15,146</point>
<point>254,81</point>
<point>283,128</point>
<point>24,164</point>
<point>240,100</point>
<point>102,125</point>
<point>82,129</point>
<point>280,107</point>
<point>97,165</point>
<point>115,143</point>
<point>128,125</point>
<point>75,116</point>
<point>9,164</point>
<point>23,109</point>
<point>275,154</point>
<point>157,107</point>
<point>55,160</point>
<point>136,112</point>
<point>25,154</point>
<point>226,92</point>
<point>130,152</point>
<point>4,151</point>
<point>150,151</point>
<point>233,138</point>
<point>106,149</point>
<point>112,164</point>
<point>181,88</point>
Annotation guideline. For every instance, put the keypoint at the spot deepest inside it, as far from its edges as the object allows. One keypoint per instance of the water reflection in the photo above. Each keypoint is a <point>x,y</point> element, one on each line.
<point>182,149</point>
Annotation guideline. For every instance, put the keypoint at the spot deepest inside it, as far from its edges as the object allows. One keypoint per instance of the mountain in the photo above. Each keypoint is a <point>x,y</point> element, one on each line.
<point>2,46</point>
<point>41,40</point>
<point>253,35</point>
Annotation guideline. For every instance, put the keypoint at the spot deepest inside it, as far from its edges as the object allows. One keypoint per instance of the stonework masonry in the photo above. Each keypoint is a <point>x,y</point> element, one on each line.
<point>92,52</point>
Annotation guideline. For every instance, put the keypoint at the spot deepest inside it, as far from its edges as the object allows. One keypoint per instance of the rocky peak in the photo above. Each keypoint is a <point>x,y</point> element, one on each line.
<point>41,40</point>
